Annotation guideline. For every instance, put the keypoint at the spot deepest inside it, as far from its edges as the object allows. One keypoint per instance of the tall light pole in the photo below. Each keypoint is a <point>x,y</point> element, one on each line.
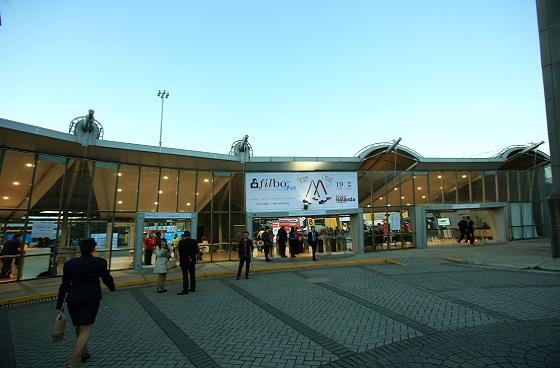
<point>163,95</point>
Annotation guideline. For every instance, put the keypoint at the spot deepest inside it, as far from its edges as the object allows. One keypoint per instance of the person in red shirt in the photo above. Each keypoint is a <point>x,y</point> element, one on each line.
<point>149,245</point>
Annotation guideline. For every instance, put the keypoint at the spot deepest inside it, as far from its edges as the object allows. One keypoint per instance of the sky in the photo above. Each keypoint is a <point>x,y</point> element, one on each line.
<point>300,77</point>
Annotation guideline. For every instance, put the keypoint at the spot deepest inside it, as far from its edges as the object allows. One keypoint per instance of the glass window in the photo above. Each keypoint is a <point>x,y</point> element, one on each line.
<point>77,184</point>
<point>503,192</point>
<point>393,190</point>
<point>490,186</point>
<point>513,186</point>
<point>364,189</point>
<point>49,178</point>
<point>421,187</point>
<point>16,176</point>
<point>220,237</point>
<point>237,192</point>
<point>127,188</point>
<point>463,190</point>
<point>407,189</point>
<point>221,191</point>
<point>527,184</point>
<point>149,180</point>
<point>378,188</point>
<point>104,182</point>
<point>204,191</point>
<point>187,183</point>
<point>237,229</point>
<point>168,191</point>
<point>476,186</point>
<point>449,183</point>
<point>437,193</point>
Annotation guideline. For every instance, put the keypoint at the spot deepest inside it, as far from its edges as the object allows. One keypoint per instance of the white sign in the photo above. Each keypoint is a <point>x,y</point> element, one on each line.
<point>301,191</point>
<point>395,221</point>
<point>43,229</point>
<point>443,221</point>
<point>167,215</point>
<point>101,240</point>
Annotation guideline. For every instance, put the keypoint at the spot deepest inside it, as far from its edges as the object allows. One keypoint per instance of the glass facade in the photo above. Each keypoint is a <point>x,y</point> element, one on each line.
<point>56,201</point>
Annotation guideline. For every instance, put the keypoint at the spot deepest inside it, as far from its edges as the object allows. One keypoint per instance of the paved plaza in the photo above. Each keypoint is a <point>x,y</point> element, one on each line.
<point>429,313</point>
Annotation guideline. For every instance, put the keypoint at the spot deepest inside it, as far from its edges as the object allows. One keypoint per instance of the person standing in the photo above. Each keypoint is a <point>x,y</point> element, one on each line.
<point>245,251</point>
<point>188,250</point>
<point>463,229</point>
<point>267,238</point>
<point>80,286</point>
<point>175,245</point>
<point>9,251</point>
<point>312,239</point>
<point>160,267</point>
<point>282,238</point>
<point>149,245</point>
<point>470,230</point>
<point>293,236</point>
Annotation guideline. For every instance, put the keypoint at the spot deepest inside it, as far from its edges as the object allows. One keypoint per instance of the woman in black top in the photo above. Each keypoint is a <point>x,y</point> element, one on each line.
<point>81,281</point>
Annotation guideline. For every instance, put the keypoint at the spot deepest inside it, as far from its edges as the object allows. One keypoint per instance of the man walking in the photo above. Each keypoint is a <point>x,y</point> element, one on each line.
<point>312,237</point>
<point>245,251</point>
<point>10,250</point>
<point>188,249</point>
<point>463,229</point>
<point>267,237</point>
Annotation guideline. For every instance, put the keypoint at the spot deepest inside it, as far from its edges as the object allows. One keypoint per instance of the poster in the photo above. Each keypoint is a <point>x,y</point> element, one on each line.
<point>301,191</point>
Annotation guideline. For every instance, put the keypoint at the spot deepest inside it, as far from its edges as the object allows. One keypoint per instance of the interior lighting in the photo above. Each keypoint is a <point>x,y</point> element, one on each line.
<point>369,205</point>
<point>408,204</point>
<point>439,176</point>
<point>119,190</point>
<point>206,180</point>
<point>156,203</point>
<point>440,187</point>
<point>388,205</point>
<point>160,192</point>
<point>464,176</point>
<point>419,188</point>
<point>196,193</point>
<point>119,174</point>
<point>380,198</point>
<point>402,197</point>
<point>29,164</point>
<point>165,177</point>
<point>119,202</point>
<point>423,197</point>
<point>396,188</point>
<point>15,183</point>
<point>5,198</point>
<point>188,203</point>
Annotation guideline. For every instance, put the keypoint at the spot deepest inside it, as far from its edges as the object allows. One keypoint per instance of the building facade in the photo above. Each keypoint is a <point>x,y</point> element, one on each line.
<point>57,188</point>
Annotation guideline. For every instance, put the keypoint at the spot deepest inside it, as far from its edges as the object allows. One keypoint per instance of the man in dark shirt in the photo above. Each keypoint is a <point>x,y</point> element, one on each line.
<point>282,238</point>
<point>245,252</point>
<point>470,230</point>
<point>9,251</point>
<point>463,229</point>
<point>267,239</point>
<point>188,249</point>
<point>312,238</point>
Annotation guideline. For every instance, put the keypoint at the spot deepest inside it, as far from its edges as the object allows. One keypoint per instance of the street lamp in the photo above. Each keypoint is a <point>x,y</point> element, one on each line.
<point>163,95</point>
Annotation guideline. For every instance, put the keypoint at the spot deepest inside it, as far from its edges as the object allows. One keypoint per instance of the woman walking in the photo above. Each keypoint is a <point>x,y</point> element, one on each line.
<point>80,287</point>
<point>160,267</point>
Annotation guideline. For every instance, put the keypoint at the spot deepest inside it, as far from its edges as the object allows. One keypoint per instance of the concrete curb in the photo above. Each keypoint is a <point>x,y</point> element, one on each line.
<point>144,281</point>
<point>454,260</point>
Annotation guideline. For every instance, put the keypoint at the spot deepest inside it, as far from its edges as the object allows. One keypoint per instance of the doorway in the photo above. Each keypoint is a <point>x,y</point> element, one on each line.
<point>157,226</point>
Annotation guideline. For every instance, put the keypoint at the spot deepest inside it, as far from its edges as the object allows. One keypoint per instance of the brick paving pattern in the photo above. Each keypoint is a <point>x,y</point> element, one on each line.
<point>427,314</point>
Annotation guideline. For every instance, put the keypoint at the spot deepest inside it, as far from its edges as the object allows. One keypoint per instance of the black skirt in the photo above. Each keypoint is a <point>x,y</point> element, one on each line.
<point>83,313</point>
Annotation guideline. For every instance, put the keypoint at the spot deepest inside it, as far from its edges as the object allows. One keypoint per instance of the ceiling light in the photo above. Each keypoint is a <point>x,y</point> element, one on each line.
<point>396,188</point>
<point>29,164</point>
<point>5,197</point>
<point>15,183</point>
<point>388,205</point>
<point>380,198</point>
<point>419,188</point>
<point>402,197</point>
<point>119,190</point>
<point>119,174</point>
<point>440,187</point>
<point>165,177</point>
<point>156,203</point>
<point>119,202</point>
<point>188,203</point>
<point>369,205</point>
<point>206,180</point>
<point>423,197</point>
<point>439,176</point>
<point>196,193</point>
<point>408,204</point>
<point>161,191</point>
<point>464,176</point>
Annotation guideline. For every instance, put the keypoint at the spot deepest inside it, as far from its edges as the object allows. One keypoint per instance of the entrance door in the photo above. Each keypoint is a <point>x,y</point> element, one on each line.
<point>152,228</point>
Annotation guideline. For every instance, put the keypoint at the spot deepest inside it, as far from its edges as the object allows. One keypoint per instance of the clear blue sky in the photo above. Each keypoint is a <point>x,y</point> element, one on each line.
<point>453,78</point>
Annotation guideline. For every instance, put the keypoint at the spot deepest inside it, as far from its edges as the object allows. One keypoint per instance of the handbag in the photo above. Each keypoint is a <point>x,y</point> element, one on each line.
<point>60,323</point>
<point>169,265</point>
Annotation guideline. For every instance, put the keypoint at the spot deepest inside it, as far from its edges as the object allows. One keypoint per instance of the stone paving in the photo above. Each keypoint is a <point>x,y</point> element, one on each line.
<point>428,314</point>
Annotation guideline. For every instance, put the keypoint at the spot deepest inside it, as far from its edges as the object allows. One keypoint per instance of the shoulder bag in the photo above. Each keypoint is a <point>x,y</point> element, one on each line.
<point>60,323</point>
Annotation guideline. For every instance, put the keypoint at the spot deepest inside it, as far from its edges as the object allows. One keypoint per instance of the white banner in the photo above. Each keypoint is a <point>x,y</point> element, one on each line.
<point>301,191</point>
